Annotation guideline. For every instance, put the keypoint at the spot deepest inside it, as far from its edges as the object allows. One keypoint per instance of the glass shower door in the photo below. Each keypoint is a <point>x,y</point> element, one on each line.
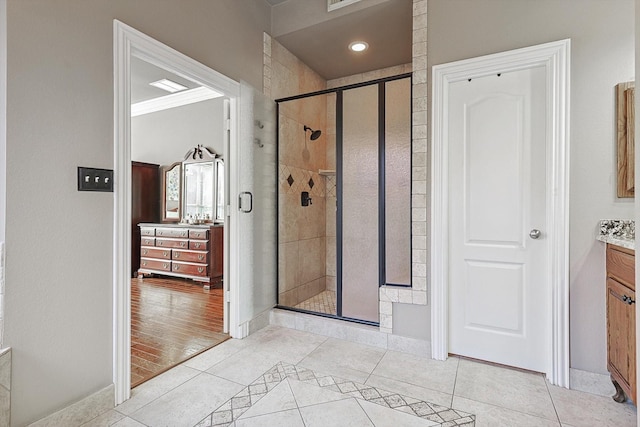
<point>358,171</point>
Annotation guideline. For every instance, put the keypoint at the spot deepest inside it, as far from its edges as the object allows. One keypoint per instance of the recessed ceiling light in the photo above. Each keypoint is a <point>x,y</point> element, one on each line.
<point>358,46</point>
<point>168,85</point>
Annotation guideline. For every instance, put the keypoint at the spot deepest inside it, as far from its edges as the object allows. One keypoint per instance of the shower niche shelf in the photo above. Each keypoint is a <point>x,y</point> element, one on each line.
<point>326,172</point>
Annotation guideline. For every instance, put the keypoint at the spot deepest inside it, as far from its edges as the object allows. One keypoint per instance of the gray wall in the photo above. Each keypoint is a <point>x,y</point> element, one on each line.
<point>602,55</point>
<point>164,137</point>
<point>58,316</point>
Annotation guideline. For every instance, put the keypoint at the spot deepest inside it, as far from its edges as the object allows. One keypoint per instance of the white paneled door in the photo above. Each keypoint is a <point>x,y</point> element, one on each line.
<point>498,286</point>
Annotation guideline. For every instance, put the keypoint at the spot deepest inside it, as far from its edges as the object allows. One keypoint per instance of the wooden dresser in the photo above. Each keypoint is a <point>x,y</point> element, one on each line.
<point>621,321</point>
<point>188,251</point>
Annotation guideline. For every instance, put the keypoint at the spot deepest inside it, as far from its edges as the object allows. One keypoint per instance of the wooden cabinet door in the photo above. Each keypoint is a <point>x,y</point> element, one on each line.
<point>621,331</point>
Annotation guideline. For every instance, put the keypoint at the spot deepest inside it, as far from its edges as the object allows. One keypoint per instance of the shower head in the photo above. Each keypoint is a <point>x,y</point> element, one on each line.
<point>315,134</point>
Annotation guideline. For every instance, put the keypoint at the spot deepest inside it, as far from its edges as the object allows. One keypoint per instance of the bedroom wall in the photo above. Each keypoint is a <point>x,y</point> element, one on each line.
<point>164,137</point>
<point>59,241</point>
<point>602,55</point>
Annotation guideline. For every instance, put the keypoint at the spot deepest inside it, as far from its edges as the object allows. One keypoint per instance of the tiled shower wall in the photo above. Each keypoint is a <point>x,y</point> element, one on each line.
<point>302,235</point>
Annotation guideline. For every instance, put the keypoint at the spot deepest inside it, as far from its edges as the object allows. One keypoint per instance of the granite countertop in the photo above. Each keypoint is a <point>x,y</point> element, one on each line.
<point>619,232</point>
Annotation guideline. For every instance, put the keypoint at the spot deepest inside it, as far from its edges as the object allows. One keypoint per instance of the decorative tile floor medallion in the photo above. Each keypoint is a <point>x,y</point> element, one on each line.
<point>235,407</point>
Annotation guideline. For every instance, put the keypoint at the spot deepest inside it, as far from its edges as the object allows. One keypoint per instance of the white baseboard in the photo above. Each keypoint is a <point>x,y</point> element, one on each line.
<point>591,382</point>
<point>82,411</point>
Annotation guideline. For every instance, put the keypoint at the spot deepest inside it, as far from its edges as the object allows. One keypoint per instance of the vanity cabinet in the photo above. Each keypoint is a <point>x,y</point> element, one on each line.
<point>188,251</point>
<point>621,321</point>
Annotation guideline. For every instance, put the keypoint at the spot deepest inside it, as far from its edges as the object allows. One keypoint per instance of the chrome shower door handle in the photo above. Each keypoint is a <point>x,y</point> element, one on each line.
<point>244,196</point>
<point>535,234</point>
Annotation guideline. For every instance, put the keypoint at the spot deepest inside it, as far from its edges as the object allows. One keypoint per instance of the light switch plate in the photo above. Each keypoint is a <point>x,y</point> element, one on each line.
<point>92,179</point>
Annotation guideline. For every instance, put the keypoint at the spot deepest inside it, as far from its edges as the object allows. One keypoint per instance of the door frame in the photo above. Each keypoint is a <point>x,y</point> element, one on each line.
<point>555,58</point>
<point>126,43</point>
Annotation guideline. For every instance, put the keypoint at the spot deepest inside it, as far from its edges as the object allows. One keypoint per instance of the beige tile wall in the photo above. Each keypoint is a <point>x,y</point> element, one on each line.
<point>419,202</point>
<point>302,236</point>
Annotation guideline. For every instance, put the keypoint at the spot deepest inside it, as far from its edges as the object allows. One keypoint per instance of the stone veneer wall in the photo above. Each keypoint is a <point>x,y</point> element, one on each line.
<point>302,230</point>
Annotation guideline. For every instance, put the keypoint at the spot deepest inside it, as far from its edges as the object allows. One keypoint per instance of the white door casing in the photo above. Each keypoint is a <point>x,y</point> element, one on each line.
<point>128,42</point>
<point>554,59</point>
<point>497,283</point>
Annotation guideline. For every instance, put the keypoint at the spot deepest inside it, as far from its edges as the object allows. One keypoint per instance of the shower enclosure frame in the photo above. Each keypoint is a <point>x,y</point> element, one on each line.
<point>339,91</point>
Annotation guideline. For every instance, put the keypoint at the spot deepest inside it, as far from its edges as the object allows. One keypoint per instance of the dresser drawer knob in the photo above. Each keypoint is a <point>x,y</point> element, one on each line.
<point>164,265</point>
<point>144,263</point>
<point>182,244</point>
<point>197,245</point>
<point>176,255</point>
<point>160,243</point>
<point>144,252</point>
<point>165,253</point>
<point>176,267</point>
<point>200,257</point>
<point>200,269</point>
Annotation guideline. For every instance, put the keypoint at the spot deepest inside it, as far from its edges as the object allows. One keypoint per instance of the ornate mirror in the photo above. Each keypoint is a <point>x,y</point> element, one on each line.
<point>203,187</point>
<point>171,200</point>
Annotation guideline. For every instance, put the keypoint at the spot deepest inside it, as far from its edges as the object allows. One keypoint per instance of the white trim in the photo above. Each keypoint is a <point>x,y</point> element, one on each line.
<point>179,99</point>
<point>339,4</point>
<point>128,42</point>
<point>555,57</point>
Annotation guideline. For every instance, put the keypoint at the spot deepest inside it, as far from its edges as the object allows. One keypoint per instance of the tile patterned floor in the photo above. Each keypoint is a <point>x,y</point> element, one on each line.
<point>233,410</point>
<point>324,302</point>
<point>272,378</point>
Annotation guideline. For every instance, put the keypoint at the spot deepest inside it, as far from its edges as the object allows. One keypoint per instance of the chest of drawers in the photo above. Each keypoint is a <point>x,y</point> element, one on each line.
<point>193,252</point>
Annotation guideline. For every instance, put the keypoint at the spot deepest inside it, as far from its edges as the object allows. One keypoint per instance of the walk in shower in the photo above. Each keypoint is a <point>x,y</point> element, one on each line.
<point>344,197</point>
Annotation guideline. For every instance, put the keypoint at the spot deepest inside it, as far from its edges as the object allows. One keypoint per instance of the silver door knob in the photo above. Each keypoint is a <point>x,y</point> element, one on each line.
<point>535,234</point>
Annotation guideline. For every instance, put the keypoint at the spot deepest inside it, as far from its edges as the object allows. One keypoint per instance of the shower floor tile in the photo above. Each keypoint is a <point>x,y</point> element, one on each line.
<point>324,302</point>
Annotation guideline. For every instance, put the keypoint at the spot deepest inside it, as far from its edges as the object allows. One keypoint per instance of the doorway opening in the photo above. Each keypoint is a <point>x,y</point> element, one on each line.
<point>344,198</point>
<point>131,45</point>
<point>178,139</point>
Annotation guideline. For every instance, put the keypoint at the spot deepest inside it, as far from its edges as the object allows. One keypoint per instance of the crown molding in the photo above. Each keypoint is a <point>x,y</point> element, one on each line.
<point>174,100</point>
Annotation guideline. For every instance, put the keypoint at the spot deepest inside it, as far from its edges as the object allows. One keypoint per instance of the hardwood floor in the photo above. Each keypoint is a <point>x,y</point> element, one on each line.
<point>172,320</point>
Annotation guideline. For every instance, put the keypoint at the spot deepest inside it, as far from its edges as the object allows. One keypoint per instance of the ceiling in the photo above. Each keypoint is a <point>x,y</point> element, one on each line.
<point>386,26</point>
<point>320,39</point>
<point>143,73</point>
